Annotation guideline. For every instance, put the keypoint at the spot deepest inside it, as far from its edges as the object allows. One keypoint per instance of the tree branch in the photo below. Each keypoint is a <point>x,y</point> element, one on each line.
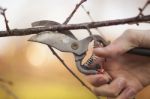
<point>28,31</point>
<point>62,61</point>
<point>73,12</point>
<point>2,12</point>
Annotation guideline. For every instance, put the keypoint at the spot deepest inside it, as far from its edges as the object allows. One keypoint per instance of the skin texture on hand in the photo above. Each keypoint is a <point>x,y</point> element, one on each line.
<point>128,40</point>
<point>129,73</point>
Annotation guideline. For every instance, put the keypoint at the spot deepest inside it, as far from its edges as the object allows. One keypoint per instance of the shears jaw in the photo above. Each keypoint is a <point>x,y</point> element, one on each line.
<point>65,43</point>
<point>94,64</point>
<point>34,39</point>
<point>40,38</point>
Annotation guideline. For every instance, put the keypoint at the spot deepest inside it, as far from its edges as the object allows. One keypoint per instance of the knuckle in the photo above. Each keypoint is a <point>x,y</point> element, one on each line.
<point>113,93</point>
<point>96,92</point>
<point>128,33</point>
<point>95,84</point>
<point>98,83</point>
<point>131,36</point>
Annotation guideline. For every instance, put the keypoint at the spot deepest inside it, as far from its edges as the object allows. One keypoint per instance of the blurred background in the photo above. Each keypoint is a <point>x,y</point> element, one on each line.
<point>34,71</point>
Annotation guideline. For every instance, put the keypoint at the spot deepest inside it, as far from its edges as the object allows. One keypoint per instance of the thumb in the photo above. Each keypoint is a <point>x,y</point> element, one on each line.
<point>109,51</point>
<point>120,46</point>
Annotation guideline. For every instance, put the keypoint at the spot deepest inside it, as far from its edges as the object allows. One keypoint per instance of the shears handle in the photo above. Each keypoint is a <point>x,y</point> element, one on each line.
<point>140,51</point>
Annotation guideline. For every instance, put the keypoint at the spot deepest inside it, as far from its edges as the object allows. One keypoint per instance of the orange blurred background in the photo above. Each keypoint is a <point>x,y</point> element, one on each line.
<point>35,72</point>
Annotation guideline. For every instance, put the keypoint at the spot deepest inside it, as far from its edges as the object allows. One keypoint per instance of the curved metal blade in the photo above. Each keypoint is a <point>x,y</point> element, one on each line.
<point>48,23</point>
<point>62,42</point>
<point>55,39</point>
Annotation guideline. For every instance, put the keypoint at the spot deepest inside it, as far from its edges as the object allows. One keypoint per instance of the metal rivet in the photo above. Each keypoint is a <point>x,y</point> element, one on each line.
<point>74,46</point>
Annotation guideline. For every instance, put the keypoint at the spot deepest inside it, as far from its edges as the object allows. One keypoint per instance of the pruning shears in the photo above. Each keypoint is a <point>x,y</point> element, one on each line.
<point>65,41</point>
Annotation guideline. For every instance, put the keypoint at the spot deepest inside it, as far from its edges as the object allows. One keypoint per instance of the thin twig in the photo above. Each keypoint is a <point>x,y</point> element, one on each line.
<point>3,83</point>
<point>91,18</point>
<point>143,8</point>
<point>73,12</point>
<point>8,91</point>
<point>2,12</point>
<point>90,33</point>
<point>6,81</point>
<point>62,61</point>
<point>88,13</point>
<point>28,31</point>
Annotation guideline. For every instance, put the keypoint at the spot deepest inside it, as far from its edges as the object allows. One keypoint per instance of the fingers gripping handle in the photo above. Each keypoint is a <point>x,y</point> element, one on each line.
<point>87,68</point>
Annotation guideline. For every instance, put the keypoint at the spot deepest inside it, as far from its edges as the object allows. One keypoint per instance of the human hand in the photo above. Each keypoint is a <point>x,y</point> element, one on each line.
<point>129,73</point>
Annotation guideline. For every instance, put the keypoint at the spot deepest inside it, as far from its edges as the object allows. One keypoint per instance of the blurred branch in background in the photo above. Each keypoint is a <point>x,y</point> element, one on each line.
<point>67,67</point>
<point>4,85</point>
<point>61,60</point>
<point>6,81</point>
<point>8,91</point>
<point>92,20</point>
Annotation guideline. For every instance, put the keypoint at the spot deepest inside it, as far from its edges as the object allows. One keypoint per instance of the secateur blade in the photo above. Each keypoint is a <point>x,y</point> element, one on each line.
<point>62,42</point>
<point>65,43</point>
<point>49,23</point>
